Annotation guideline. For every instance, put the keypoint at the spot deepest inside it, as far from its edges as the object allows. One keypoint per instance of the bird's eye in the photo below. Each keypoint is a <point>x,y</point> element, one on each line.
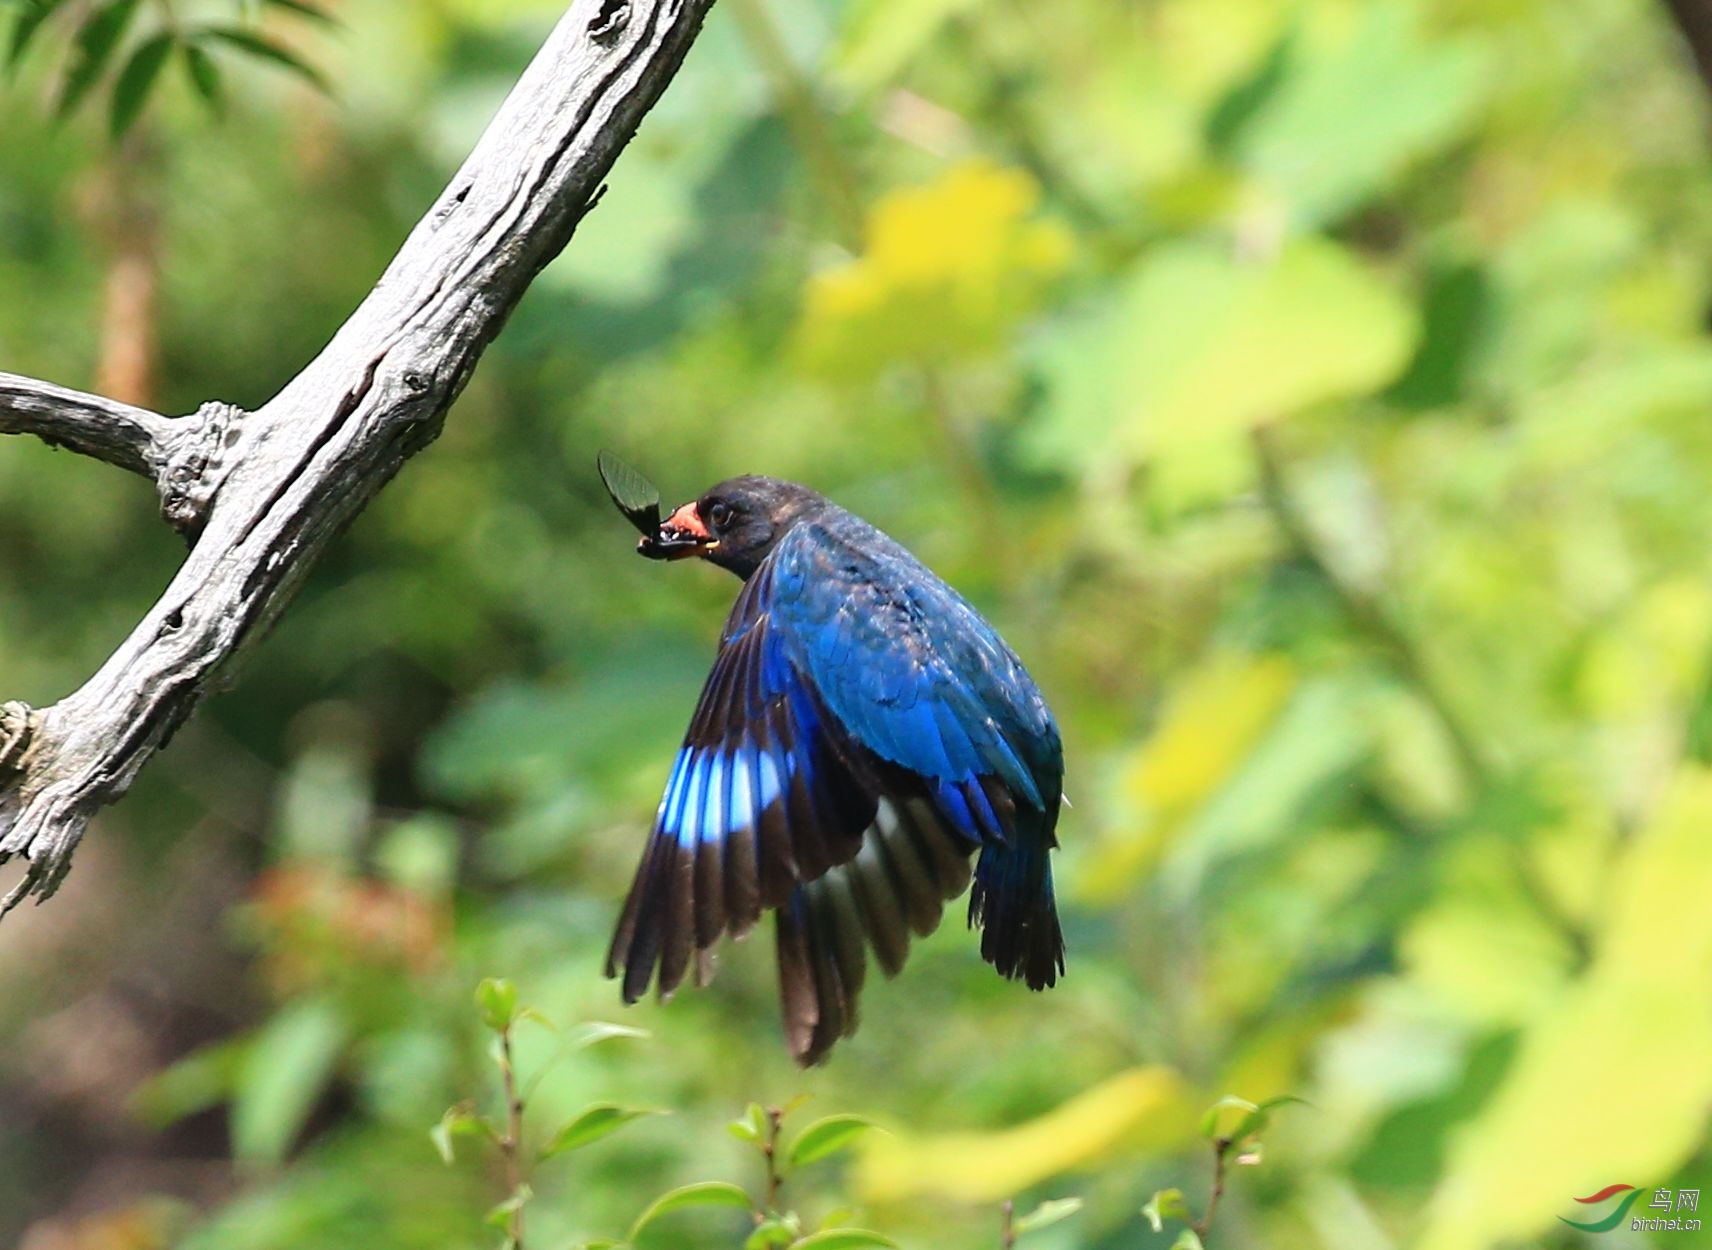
<point>718,515</point>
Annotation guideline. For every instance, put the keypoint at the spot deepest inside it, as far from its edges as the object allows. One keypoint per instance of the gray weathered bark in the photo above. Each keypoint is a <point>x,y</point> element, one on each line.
<point>261,494</point>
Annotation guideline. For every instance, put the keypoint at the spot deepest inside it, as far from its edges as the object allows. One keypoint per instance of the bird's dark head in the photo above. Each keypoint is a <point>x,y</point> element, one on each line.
<point>734,524</point>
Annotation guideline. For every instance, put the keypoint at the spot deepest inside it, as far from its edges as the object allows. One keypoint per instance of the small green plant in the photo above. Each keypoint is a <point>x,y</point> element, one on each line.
<point>776,1225</point>
<point>113,40</point>
<point>501,1013</point>
<point>1238,1146</point>
<point>1013,1228</point>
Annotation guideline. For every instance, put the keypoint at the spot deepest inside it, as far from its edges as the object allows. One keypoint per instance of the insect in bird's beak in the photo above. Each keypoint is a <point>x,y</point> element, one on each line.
<point>682,534</point>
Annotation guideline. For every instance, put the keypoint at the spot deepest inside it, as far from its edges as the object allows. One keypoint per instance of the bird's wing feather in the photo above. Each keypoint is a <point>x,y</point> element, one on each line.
<point>762,795</point>
<point>912,673</point>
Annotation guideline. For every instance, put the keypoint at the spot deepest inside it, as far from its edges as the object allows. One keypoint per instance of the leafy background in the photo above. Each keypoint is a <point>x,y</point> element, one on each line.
<point>1314,393</point>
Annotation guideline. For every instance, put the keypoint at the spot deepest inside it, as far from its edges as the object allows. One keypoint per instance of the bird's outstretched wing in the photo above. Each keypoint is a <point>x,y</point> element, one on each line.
<point>862,733</point>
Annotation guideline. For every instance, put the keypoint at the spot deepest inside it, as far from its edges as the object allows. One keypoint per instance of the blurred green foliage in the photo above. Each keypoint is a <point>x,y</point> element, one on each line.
<point>1314,393</point>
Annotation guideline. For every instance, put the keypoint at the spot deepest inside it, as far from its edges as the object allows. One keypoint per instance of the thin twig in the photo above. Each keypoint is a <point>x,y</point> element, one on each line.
<point>770,1152</point>
<point>1221,1150</point>
<point>1007,1226</point>
<point>511,1144</point>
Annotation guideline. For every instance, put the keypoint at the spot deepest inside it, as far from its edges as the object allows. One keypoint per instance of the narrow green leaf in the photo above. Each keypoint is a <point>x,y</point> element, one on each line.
<point>204,77</point>
<point>702,1194</point>
<point>1256,1121</point>
<point>826,1137</point>
<point>266,49</point>
<point>535,1017</point>
<point>202,1079</point>
<point>136,80</point>
<point>459,1121</point>
<point>1188,1239</point>
<point>92,49</point>
<point>1047,1214</point>
<point>1214,1113</point>
<point>29,21</point>
<point>497,999</point>
<point>592,1124</point>
<point>302,9</point>
<point>598,1031</point>
<point>500,1215</point>
<point>1167,1204</point>
<point>847,1239</point>
<point>288,1068</point>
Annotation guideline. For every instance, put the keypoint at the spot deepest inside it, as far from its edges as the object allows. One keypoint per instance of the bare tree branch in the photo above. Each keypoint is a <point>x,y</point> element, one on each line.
<point>131,438</point>
<point>274,486</point>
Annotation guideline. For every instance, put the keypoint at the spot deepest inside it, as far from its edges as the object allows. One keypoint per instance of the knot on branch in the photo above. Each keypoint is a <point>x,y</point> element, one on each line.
<point>18,723</point>
<point>196,466</point>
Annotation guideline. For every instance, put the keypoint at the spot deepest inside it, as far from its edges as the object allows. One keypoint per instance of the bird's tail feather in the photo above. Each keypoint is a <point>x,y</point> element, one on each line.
<point>895,887</point>
<point>1013,905</point>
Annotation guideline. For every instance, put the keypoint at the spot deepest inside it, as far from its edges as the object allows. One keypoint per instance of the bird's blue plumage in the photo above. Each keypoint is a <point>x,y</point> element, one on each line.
<point>864,733</point>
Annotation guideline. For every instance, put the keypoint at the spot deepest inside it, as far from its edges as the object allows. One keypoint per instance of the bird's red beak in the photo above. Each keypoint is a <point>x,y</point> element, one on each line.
<point>682,534</point>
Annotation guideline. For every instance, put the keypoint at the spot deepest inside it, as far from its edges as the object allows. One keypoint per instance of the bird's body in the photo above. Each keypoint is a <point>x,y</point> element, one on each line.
<point>864,734</point>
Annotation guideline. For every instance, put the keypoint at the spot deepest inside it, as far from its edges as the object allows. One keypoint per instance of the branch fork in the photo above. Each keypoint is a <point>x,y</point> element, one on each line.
<point>261,494</point>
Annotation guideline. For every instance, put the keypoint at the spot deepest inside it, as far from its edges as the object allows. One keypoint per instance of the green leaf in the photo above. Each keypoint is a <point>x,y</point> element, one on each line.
<point>1188,1239</point>
<point>1255,1121</point>
<point>497,999</point>
<point>204,77</point>
<point>1198,347</point>
<point>266,49</point>
<point>701,1194</point>
<point>1355,104</point>
<point>598,1031</point>
<point>202,1079</point>
<point>1047,1214</point>
<point>1167,1204</point>
<point>825,1138</point>
<point>24,29</point>
<point>302,9</point>
<point>459,1121</point>
<point>846,1239</point>
<point>1214,1113</point>
<point>500,1215</point>
<point>772,1232</point>
<point>288,1068</point>
<point>138,77</point>
<point>881,37</point>
<point>92,49</point>
<point>592,1124</point>
<point>1627,1014</point>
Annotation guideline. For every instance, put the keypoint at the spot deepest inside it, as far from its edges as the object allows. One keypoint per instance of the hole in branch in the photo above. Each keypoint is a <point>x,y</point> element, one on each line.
<point>610,21</point>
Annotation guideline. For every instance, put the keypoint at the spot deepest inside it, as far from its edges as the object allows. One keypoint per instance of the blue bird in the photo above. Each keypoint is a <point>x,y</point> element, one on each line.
<point>863,735</point>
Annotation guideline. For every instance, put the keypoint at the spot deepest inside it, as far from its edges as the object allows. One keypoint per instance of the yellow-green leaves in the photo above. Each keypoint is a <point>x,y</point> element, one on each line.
<point>1356,94</point>
<point>1199,345</point>
<point>1209,727</point>
<point>1142,1110</point>
<point>946,271</point>
<point>881,36</point>
<point>1612,1082</point>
